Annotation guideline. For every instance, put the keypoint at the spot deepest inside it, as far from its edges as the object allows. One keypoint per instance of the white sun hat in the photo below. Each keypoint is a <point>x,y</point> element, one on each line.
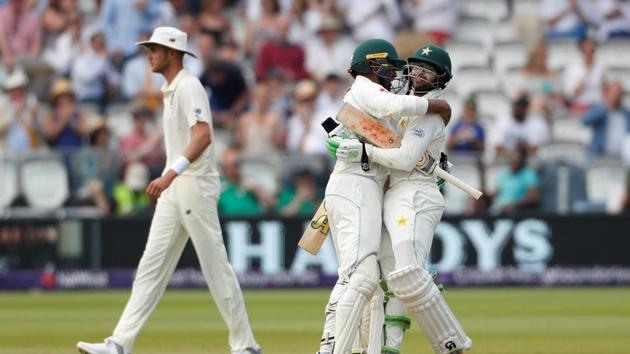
<point>17,78</point>
<point>169,37</point>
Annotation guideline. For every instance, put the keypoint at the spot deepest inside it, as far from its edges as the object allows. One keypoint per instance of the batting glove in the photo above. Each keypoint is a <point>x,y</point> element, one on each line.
<point>348,150</point>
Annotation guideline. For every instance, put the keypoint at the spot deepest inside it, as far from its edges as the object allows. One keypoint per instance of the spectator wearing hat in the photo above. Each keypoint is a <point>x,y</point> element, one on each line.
<point>468,134</point>
<point>93,75</point>
<point>129,195</point>
<point>18,115</point>
<point>144,142</point>
<point>524,127</point>
<point>305,134</point>
<point>20,32</point>
<point>330,50</point>
<point>301,197</point>
<point>278,54</point>
<point>65,126</point>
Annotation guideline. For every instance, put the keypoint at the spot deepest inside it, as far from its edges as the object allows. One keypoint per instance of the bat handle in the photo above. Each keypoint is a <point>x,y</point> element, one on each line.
<point>457,182</point>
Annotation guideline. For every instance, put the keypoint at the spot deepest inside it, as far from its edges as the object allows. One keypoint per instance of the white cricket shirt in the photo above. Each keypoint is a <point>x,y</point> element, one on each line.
<point>185,104</point>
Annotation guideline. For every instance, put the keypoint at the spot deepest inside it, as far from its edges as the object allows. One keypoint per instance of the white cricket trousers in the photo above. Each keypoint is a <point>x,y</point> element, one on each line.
<point>187,208</point>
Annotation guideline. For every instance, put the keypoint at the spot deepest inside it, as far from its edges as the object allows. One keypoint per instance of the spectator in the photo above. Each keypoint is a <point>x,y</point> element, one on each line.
<point>330,98</point>
<point>614,19</point>
<point>304,132</point>
<point>65,126</point>
<point>566,18</point>
<point>279,55</point>
<point>468,134</point>
<point>584,78</point>
<point>372,19</point>
<point>130,195</point>
<point>619,197</point>
<point>213,20</point>
<point>436,19</point>
<point>189,23</point>
<point>20,32</point>
<point>18,116</point>
<point>330,51</point>
<point>61,53</point>
<point>304,22</point>
<point>610,122</point>
<point>123,21</point>
<point>301,197</point>
<point>518,186</point>
<point>95,169</point>
<point>224,80</point>
<point>144,144</point>
<point>523,127</point>
<point>92,73</point>
<point>56,18</point>
<point>240,197</point>
<point>139,81</point>
<point>260,131</point>
<point>261,29</point>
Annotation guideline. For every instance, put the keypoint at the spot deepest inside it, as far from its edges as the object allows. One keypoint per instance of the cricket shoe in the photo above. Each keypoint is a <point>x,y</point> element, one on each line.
<point>107,347</point>
<point>249,351</point>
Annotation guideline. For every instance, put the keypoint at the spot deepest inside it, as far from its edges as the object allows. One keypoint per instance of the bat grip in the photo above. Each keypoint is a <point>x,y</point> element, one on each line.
<point>457,182</point>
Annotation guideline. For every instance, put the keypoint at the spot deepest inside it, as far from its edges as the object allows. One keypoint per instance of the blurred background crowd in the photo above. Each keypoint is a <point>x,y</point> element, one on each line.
<point>541,115</point>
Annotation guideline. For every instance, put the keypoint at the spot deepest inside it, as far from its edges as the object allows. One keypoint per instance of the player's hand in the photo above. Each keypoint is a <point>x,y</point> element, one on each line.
<point>349,150</point>
<point>159,185</point>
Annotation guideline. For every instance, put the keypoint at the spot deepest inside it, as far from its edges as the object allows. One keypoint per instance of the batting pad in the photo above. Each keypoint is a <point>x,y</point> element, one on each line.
<point>362,284</point>
<point>415,287</point>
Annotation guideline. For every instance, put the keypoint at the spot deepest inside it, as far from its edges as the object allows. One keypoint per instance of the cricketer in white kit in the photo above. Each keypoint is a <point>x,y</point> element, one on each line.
<point>413,207</point>
<point>187,206</point>
<point>354,194</point>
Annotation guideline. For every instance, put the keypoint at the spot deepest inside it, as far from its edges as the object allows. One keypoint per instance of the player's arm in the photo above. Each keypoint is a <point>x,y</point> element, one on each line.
<point>415,142</point>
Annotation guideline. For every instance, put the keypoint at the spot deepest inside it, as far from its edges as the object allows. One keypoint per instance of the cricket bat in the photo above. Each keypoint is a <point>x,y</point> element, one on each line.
<point>315,234</point>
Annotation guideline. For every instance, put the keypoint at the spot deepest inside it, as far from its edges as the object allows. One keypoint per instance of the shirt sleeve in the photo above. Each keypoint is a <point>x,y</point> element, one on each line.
<point>373,99</point>
<point>531,179</point>
<point>416,140</point>
<point>195,103</point>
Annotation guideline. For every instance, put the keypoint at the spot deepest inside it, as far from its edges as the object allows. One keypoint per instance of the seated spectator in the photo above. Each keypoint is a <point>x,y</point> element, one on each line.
<point>330,98</point>
<point>614,19</point>
<point>468,134</point>
<point>93,75</point>
<point>65,47</point>
<point>619,197</point>
<point>239,196</point>
<point>65,126</point>
<point>610,122</point>
<point>301,197</point>
<point>260,130</point>
<point>584,78</point>
<point>518,186</point>
<point>523,127</point>
<point>139,81</point>
<point>371,19</point>
<point>130,195</point>
<point>328,52</point>
<point>436,19</point>
<point>225,83</point>
<point>95,169</point>
<point>566,18</point>
<point>18,116</point>
<point>144,142</point>
<point>278,54</point>
<point>304,131</point>
<point>56,18</point>
<point>262,28</point>
<point>20,32</point>
<point>304,21</point>
<point>213,19</point>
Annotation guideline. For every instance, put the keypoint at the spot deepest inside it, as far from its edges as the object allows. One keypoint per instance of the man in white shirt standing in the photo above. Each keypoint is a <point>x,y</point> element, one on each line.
<point>187,195</point>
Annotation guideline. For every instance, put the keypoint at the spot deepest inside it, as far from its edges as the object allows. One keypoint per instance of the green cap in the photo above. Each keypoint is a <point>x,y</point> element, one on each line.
<point>374,49</point>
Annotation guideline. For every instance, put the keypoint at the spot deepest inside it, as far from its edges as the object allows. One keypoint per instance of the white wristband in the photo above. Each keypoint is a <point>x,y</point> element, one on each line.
<point>180,165</point>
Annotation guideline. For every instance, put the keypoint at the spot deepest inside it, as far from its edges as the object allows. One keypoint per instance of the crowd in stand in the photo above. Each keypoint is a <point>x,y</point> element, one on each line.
<point>273,70</point>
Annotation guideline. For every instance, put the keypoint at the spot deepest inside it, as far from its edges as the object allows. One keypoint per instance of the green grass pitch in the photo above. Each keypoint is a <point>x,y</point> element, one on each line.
<point>499,320</point>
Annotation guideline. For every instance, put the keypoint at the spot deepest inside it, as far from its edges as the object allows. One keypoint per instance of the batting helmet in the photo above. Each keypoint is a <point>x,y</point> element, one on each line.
<point>438,58</point>
<point>374,51</point>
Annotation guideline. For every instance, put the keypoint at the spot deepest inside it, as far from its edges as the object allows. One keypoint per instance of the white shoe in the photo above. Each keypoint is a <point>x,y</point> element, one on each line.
<point>107,347</point>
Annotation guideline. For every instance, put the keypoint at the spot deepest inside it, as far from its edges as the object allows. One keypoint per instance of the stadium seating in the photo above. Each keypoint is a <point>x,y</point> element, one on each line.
<point>44,183</point>
<point>467,53</point>
<point>492,10</point>
<point>601,175</point>
<point>8,183</point>
<point>473,79</point>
